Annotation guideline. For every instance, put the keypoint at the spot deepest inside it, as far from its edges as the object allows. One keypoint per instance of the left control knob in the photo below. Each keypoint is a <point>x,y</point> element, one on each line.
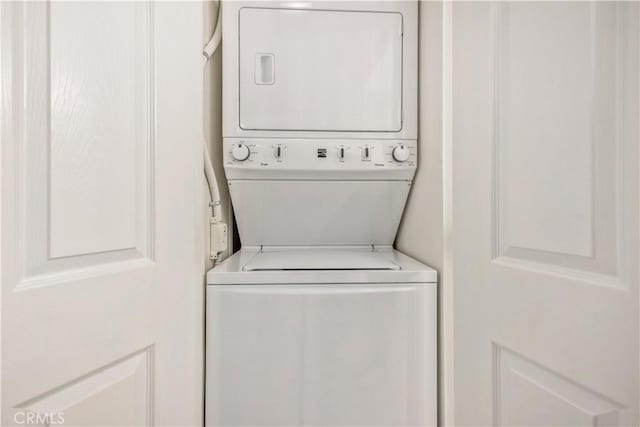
<point>240,152</point>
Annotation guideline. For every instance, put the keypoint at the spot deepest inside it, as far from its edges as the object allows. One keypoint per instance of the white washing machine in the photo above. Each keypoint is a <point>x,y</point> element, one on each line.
<point>318,320</point>
<point>321,337</point>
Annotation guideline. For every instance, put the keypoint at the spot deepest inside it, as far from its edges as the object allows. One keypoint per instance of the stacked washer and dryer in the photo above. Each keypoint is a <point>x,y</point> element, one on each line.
<point>317,320</point>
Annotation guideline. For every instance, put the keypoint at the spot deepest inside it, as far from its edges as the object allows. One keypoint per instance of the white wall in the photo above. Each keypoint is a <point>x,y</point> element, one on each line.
<point>422,233</point>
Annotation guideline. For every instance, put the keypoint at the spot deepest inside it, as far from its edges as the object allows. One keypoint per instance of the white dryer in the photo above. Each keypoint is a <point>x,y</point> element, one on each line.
<point>317,320</point>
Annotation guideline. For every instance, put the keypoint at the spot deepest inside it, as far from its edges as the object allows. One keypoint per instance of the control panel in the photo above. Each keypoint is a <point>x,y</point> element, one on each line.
<point>284,154</point>
<point>290,158</point>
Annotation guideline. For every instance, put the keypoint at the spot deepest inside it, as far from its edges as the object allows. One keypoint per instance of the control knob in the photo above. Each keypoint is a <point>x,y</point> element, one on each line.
<point>240,152</point>
<point>400,153</point>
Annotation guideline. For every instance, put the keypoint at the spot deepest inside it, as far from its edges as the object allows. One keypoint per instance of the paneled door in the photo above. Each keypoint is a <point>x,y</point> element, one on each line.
<point>545,213</point>
<point>102,298</point>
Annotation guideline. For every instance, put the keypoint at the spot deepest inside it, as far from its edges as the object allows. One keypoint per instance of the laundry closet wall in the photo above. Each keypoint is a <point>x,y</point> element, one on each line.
<point>423,229</point>
<point>213,130</point>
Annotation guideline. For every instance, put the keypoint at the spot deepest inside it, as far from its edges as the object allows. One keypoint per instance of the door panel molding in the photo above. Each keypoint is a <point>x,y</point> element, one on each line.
<point>54,178</point>
<point>131,377</point>
<point>101,306</point>
<point>545,212</point>
<point>570,220</point>
<point>526,393</point>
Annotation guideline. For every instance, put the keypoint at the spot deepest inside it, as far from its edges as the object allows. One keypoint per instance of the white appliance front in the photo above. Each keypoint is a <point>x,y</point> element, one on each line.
<point>330,69</point>
<point>320,70</point>
<point>289,192</point>
<point>321,355</point>
<point>323,212</point>
<point>317,321</point>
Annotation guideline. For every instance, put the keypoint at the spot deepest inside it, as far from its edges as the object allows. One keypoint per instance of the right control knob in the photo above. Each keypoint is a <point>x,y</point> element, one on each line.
<point>400,153</point>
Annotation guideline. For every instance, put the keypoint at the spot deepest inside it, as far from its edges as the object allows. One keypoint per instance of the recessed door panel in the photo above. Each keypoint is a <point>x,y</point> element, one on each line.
<point>545,216</point>
<point>319,70</point>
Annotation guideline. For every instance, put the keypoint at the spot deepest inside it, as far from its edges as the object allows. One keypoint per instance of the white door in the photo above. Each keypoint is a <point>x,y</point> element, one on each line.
<point>545,213</point>
<point>100,192</point>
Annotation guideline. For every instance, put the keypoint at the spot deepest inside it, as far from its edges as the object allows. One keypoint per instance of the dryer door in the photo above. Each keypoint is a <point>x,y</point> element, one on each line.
<point>320,70</point>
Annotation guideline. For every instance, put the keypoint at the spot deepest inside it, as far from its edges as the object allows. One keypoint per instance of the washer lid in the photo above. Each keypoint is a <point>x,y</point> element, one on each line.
<point>320,259</point>
<point>404,269</point>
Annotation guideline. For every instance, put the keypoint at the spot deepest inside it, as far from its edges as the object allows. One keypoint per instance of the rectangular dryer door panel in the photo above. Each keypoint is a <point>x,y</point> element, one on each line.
<point>320,70</point>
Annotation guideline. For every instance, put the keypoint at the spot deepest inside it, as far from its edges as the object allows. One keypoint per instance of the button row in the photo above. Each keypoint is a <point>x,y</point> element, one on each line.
<point>400,152</point>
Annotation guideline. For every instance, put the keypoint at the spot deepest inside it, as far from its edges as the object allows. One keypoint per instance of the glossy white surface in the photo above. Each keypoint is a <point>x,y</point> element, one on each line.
<point>321,70</point>
<point>327,69</point>
<point>288,212</point>
<point>233,271</point>
<point>337,70</point>
<point>309,324</point>
<point>322,355</point>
